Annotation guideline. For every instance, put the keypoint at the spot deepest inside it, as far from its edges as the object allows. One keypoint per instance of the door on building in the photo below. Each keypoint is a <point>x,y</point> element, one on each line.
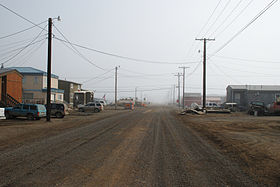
<point>3,88</point>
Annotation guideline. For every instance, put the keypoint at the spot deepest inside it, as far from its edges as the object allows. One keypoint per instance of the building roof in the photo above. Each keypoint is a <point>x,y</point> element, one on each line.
<point>69,81</point>
<point>5,71</point>
<point>31,71</point>
<point>192,94</point>
<point>256,87</point>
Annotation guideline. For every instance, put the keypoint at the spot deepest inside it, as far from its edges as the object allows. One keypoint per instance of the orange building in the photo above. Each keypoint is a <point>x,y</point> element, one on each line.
<point>10,87</point>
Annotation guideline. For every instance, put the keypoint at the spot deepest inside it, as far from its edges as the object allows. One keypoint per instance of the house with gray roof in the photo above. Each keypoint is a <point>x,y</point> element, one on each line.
<point>243,95</point>
<point>34,86</point>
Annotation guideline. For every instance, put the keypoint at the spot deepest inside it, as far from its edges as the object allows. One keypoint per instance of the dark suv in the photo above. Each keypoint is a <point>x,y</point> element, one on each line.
<point>31,111</point>
<point>58,110</point>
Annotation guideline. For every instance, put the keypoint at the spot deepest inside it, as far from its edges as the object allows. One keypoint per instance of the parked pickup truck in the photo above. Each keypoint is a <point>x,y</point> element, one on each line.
<point>31,111</point>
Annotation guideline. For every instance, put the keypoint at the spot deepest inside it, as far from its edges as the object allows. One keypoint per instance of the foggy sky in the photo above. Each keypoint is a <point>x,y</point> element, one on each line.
<point>158,30</point>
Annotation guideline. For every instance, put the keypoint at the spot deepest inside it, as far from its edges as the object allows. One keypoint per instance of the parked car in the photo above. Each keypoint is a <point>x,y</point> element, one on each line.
<point>31,111</point>
<point>91,107</point>
<point>58,110</point>
<point>233,107</point>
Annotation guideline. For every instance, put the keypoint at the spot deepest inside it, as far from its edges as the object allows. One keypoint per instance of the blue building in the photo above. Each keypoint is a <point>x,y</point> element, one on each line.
<point>34,85</point>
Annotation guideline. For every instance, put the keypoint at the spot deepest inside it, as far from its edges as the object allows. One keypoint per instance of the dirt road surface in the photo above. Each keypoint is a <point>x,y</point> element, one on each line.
<point>148,147</point>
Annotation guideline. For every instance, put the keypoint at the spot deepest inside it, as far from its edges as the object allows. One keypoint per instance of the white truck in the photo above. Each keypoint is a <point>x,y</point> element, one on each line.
<point>2,113</point>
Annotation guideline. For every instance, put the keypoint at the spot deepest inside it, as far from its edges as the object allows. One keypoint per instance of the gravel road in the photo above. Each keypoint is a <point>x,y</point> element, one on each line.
<point>147,147</point>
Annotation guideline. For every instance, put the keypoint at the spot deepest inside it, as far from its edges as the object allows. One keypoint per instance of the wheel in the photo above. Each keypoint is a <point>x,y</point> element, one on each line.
<point>30,117</point>
<point>81,110</point>
<point>8,116</point>
<point>59,115</point>
<point>96,110</point>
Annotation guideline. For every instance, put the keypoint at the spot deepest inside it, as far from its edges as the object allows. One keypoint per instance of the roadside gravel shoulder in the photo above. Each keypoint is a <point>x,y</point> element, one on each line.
<point>253,142</point>
<point>14,133</point>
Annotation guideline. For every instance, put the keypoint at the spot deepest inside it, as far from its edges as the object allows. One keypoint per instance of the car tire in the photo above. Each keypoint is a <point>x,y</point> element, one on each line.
<point>81,110</point>
<point>59,115</point>
<point>8,116</point>
<point>96,110</point>
<point>30,117</point>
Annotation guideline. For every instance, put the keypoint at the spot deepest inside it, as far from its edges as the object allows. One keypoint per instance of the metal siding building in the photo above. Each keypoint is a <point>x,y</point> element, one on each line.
<point>244,94</point>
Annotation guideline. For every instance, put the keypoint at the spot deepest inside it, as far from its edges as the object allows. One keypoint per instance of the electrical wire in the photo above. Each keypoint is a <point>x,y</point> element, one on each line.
<point>234,19</point>
<point>217,18</point>
<point>125,57</point>
<point>24,47</point>
<point>98,76</point>
<point>247,25</point>
<point>22,17</point>
<point>18,32</point>
<point>247,60</point>
<point>145,73</point>
<point>228,16</point>
<point>34,50</point>
<point>77,51</point>
<point>209,18</point>
<point>6,51</point>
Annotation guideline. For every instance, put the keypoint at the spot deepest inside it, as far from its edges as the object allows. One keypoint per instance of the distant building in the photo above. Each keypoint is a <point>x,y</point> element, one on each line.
<point>215,99</point>
<point>10,87</point>
<point>69,88</point>
<point>83,97</point>
<point>244,94</point>
<point>34,86</point>
<point>192,98</point>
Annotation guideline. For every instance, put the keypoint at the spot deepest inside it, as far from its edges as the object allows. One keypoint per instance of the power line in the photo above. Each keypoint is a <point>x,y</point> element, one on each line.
<point>145,73</point>
<point>24,47</point>
<point>125,57</point>
<point>23,17</point>
<point>247,60</point>
<point>209,18</point>
<point>246,26</point>
<point>18,32</point>
<point>98,76</point>
<point>235,18</point>
<point>7,51</point>
<point>77,51</point>
<point>34,50</point>
<point>217,18</point>
<point>228,16</point>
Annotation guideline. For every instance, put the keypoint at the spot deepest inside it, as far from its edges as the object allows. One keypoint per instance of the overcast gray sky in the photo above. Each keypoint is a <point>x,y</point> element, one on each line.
<point>155,30</point>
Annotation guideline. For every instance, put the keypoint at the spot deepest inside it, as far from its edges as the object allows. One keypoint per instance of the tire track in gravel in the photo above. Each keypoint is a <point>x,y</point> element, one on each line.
<point>17,164</point>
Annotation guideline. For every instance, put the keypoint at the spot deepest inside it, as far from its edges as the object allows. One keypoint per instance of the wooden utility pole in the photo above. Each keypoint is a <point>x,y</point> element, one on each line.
<point>179,99</point>
<point>184,72</point>
<point>204,69</point>
<point>49,70</point>
<point>116,87</point>
<point>174,100</point>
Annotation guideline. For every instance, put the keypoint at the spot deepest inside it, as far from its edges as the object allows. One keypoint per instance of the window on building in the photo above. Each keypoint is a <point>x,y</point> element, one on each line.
<point>59,97</point>
<point>71,86</point>
<point>23,80</point>
<point>35,80</point>
<point>28,95</point>
<point>79,87</point>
